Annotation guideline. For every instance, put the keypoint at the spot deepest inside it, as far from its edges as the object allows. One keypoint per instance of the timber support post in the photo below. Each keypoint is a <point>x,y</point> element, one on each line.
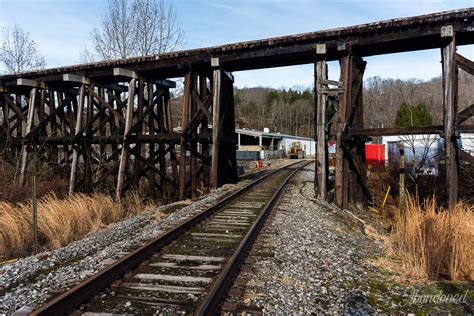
<point>188,85</point>
<point>320,73</point>
<point>342,166</point>
<point>224,139</point>
<point>29,125</point>
<point>216,118</point>
<point>351,182</point>
<point>450,74</point>
<point>128,125</point>
<point>77,133</point>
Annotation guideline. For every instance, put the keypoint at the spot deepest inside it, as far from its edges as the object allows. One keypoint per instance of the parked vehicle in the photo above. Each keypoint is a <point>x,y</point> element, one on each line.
<point>296,151</point>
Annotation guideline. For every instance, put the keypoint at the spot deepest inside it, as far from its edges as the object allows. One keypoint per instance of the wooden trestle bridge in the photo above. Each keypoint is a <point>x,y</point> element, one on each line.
<point>108,124</point>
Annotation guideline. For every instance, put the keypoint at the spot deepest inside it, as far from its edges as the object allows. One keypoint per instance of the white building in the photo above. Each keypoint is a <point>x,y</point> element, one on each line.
<point>270,144</point>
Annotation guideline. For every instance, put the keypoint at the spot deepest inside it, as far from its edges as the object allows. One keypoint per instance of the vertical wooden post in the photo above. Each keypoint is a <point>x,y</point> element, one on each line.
<point>450,110</point>
<point>75,154</point>
<point>128,125</point>
<point>203,93</point>
<point>341,163</point>
<point>184,123</point>
<point>87,146</point>
<point>136,162</point>
<point>193,164</point>
<point>163,117</point>
<point>6,116</point>
<point>29,125</point>
<point>216,127</point>
<point>19,128</point>
<point>53,125</point>
<point>151,145</point>
<point>320,73</point>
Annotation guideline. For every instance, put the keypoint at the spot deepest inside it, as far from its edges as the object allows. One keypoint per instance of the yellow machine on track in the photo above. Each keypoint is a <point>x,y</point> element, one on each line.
<point>296,151</point>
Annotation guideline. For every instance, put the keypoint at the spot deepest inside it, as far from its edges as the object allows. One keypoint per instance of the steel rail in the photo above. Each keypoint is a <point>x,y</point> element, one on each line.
<point>68,301</point>
<point>215,295</point>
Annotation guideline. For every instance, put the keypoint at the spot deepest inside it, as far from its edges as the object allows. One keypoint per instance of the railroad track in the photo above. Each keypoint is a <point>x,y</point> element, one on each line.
<point>187,269</point>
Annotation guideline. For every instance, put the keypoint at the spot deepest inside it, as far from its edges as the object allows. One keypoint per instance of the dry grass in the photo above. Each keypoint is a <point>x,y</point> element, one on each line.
<point>60,221</point>
<point>435,243</point>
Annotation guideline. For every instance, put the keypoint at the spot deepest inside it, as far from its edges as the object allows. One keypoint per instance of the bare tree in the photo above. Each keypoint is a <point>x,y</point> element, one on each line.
<point>136,28</point>
<point>19,53</point>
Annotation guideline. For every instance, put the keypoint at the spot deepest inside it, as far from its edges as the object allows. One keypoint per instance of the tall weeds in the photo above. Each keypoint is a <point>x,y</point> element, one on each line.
<point>435,243</point>
<point>60,221</point>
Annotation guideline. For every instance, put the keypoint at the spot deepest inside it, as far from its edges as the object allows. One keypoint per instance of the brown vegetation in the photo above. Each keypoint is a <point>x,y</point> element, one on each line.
<point>60,221</point>
<point>435,243</point>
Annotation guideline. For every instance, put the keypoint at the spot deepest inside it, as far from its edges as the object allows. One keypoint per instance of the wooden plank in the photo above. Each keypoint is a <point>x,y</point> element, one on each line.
<point>450,110</point>
<point>216,126</point>
<point>102,102</point>
<point>193,167</point>
<point>184,123</point>
<point>193,258</point>
<point>87,146</point>
<point>6,115</point>
<point>138,130</point>
<point>128,125</point>
<point>15,108</point>
<point>465,114</point>
<point>193,267</point>
<point>163,150</point>
<point>174,278</point>
<point>321,123</point>
<point>75,154</point>
<point>325,82</point>
<point>163,288</point>
<point>203,105</point>
<point>151,145</point>
<point>466,157</point>
<point>30,83</point>
<point>465,64</point>
<point>29,125</point>
<point>76,79</point>
<point>341,186</point>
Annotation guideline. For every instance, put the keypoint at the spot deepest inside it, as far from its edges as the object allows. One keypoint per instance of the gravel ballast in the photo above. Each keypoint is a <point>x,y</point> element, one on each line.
<point>314,258</point>
<point>31,281</point>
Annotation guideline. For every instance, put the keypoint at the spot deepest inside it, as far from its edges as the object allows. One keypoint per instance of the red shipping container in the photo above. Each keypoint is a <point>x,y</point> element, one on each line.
<point>375,155</point>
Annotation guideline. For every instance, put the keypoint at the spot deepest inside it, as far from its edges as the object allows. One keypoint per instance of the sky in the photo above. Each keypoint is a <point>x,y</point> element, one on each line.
<point>61,29</point>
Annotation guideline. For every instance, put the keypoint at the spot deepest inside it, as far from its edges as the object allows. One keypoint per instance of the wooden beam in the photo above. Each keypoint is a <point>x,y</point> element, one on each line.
<point>216,126</point>
<point>465,114</point>
<point>128,125</point>
<point>78,129</point>
<point>321,82</point>
<point>76,79</point>
<point>108,106</point>
<point>15,108</point>
<point>342,168</point>
<point>450,110</point>
<point>29,125</point>
<point>121,72</point>
<point>389,131</point>
<point>184,123</point>
<point>151,145</point>
<point>465,64</point>
<point>203,95</point>
<point>30,83</point>
<point>127,73</point>
<point>193,165</point>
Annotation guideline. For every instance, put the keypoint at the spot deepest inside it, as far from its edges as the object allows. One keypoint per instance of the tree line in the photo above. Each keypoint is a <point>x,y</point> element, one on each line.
<point>292,110</point>
<point>284,110</point>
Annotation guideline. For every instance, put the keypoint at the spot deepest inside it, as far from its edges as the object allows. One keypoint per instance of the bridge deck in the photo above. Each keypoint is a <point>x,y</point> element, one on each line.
<point>383,37</point>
